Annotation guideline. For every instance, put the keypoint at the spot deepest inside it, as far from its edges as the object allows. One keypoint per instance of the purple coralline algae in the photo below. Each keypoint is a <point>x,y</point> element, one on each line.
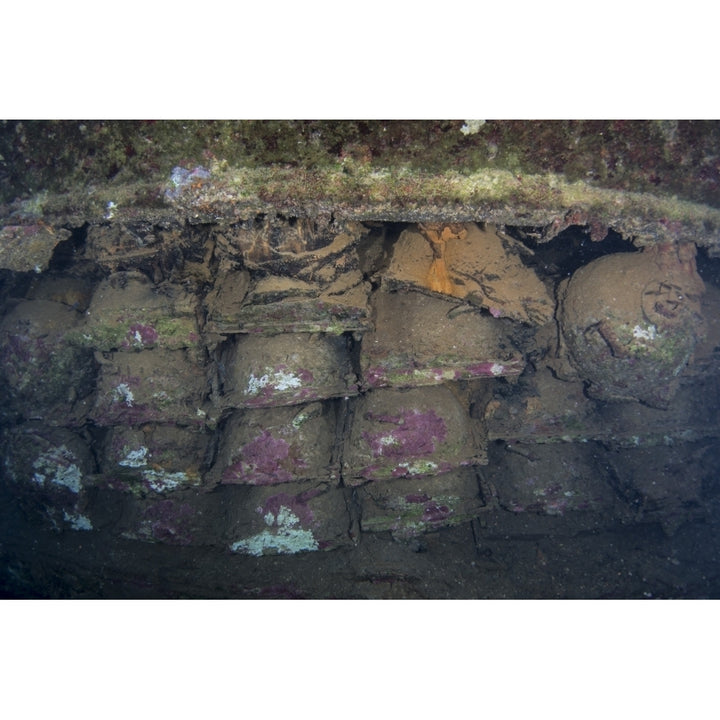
<point>417,498</point>
<point>120,404</point>
<point>298,505</point>
<point>263,461</point>
<point>414,434</point>
<point>434,513</point>
<point>409,514</point>
<point>140,336</point>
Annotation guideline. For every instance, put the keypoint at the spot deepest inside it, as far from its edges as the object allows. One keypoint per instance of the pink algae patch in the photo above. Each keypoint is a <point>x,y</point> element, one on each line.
<point>412,434</point>
<point>260,462</point>
<point>139,335</point>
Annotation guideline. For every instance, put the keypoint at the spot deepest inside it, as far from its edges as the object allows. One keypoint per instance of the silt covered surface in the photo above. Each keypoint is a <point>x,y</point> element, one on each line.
<point>316,359</point>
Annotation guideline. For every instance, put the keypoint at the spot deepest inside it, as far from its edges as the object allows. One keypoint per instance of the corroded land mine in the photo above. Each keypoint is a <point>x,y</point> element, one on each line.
<point>359,359</point>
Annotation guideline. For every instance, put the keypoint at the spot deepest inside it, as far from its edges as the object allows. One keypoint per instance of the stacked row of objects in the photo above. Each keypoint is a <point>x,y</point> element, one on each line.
<point>278,386</point>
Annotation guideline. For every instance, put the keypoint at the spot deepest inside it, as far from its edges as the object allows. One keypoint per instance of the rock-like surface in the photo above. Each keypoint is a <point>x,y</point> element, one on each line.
<point>195,371</point>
